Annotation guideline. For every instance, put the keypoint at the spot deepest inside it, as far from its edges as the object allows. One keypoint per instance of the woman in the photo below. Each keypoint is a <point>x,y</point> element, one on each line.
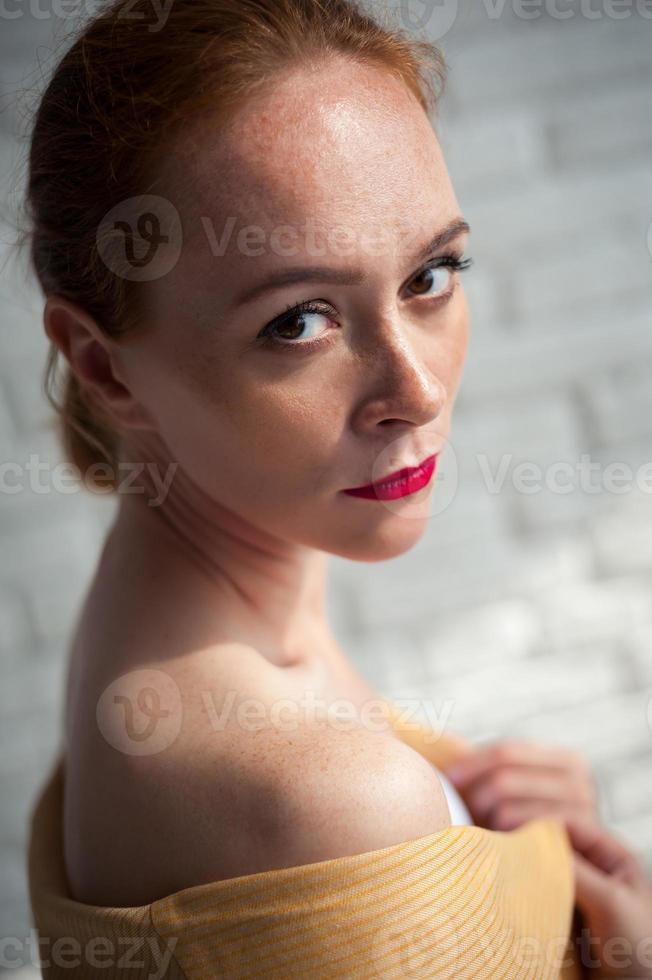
<point>251,252</point>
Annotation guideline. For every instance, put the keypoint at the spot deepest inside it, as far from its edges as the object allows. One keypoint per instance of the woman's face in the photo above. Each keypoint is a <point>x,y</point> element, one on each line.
<point>338,169</point>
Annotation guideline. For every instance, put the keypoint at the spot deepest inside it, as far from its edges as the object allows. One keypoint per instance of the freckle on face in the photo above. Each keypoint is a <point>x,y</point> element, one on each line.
<point>350,148</point>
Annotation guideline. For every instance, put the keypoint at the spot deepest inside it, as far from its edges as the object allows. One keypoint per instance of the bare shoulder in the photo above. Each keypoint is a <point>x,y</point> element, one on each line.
<point>252,790</point>
<point>341,791</point>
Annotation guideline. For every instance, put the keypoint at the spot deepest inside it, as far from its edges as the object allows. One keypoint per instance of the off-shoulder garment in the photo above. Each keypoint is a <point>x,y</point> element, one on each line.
<point>461,903</point>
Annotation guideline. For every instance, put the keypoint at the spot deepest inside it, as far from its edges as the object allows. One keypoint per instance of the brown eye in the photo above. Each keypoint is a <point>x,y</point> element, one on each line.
<point>289,326</point>
<point>293,328</point>
<point>432,281</point>
<point>441,270</point>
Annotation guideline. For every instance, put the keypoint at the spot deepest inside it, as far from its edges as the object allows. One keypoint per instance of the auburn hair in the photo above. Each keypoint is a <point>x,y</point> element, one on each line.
<point>122,91</point>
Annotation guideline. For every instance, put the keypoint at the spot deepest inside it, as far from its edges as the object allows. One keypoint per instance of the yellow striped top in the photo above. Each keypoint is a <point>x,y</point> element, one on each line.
<point>464,902</point>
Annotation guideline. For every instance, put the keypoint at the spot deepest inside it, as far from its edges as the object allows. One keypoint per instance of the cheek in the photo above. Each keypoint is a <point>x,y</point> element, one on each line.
<point>292,427</point>
<point>458,341</point>
<point>242,433</point>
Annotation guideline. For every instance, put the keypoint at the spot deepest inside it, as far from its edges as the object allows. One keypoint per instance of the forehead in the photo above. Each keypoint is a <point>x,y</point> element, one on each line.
<point>344,145</point>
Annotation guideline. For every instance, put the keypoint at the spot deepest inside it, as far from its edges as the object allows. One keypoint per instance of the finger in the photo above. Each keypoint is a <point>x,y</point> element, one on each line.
<point>510,752</point>
<point>489,789</point>
<point>511,782</point>
<point>592,886</point>
<point>509,814</point>
<point>595,844</point>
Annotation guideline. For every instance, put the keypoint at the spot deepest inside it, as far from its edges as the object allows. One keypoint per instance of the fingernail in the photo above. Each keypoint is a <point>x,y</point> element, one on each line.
<point>455,773</point>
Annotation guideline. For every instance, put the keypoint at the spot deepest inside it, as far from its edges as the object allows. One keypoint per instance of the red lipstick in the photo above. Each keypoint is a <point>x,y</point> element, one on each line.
<point>399,484</point>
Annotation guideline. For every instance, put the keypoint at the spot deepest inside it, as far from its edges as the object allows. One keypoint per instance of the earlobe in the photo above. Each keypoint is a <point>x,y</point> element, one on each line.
<point>90,354</point>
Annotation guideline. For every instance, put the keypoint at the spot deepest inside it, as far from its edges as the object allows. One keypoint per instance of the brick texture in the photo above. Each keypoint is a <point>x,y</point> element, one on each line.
<point>529,613</point>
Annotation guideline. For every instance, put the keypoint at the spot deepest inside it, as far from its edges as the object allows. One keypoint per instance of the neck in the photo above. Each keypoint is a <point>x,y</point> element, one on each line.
<point>274,590</point>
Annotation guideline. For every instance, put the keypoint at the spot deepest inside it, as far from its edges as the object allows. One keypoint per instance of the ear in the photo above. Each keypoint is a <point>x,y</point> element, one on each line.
<point>94,359</point>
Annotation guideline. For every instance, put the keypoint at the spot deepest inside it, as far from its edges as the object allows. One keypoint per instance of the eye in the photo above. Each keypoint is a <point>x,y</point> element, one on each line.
<point>302,325</point>
<point>440,273</point>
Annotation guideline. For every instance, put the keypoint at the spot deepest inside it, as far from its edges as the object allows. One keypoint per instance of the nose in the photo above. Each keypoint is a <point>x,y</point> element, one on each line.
<point>403,389</point>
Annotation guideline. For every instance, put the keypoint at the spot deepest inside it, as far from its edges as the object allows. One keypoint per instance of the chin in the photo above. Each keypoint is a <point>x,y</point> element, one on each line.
<point>390,539</point>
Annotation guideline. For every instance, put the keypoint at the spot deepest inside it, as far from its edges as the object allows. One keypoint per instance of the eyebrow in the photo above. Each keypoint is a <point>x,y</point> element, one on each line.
<point>345,277</point>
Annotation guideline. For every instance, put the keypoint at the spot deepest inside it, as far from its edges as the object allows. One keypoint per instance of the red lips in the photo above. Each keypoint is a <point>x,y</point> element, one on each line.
<point>399,484</point>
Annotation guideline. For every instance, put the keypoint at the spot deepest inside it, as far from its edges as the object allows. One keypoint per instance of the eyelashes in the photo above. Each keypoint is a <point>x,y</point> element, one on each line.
<point>453,262</point>
<point>297,311</point>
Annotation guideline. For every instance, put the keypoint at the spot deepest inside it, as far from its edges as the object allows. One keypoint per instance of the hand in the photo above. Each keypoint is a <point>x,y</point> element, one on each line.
<point>512,781</point>
<point>615,899</point>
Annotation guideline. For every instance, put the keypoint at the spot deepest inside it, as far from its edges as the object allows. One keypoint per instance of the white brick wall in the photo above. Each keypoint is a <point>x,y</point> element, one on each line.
<point>532,612</point>
<point>544,61</point>
<point>600,125</point>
